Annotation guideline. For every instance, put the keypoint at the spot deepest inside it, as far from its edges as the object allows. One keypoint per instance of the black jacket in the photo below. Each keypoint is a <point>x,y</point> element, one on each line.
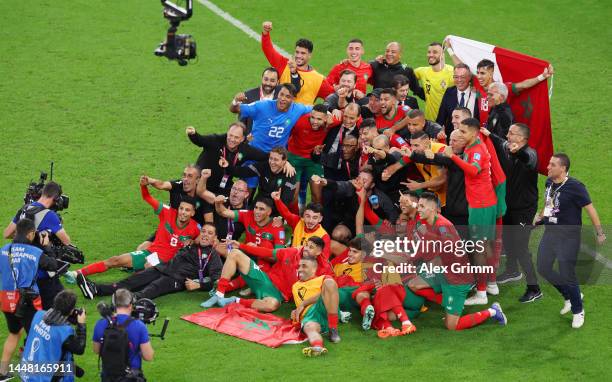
<point>383,76</point>
<point>214,147</point>
<point>521,171</point>
<point>500,119</point>
<point>456,203</point>
<point>449,103</point>
<point>332,160</point>
<point>268,181</point>
<point>186,265</point>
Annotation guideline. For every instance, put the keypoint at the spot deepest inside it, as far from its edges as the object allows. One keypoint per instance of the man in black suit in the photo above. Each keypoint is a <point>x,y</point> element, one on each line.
<point>462,94</point>
<point>268,89</point>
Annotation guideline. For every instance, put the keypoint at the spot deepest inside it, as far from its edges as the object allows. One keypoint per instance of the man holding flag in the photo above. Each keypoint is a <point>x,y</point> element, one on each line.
<point>528,98</point>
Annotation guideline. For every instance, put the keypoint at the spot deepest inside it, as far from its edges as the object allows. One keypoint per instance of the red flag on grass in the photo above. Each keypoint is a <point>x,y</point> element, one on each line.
<point>530,106</point>
<point>248,324</point>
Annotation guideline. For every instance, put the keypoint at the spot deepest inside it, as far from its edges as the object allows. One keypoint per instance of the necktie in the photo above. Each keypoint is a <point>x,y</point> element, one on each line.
<point>462,101</point>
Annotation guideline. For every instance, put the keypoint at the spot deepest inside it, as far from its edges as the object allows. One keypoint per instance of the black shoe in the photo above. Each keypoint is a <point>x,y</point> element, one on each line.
<point>334,336</point>
<point>6,377</point>
<point>87,287</point>
<point>508,277</point>
<point>530,296</point>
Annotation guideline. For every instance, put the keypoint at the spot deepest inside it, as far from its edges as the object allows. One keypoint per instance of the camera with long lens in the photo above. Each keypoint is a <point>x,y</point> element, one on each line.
<point>179,47</point>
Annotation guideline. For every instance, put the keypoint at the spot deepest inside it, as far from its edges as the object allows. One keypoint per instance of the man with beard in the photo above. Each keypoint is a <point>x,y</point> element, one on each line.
<point>345,92</point>
<point>313,83</point>
<point>416,122</point>
<point>435,79</point>
<point>175,230</point>
<point>223,152</point>
<point>195,267</point>
<point>309,132</point>
<point>269,88</point>
<point>316,306</point>
<point>462,94</point>
<point>392,118</point>
<point>384,68</point>
<point>380,159</point>
<point>354,63</point>
<point>434,177</point>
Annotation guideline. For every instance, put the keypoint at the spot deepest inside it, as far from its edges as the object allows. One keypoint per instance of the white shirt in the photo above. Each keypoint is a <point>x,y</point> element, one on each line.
<point>469,99</point>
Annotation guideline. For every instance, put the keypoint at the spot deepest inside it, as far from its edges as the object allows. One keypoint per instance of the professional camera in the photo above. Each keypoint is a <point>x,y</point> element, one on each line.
<point>74,315</point>
<point>181,47</point>
<point>68,253</point>
<point>143,309</point>
<point>34,191</point>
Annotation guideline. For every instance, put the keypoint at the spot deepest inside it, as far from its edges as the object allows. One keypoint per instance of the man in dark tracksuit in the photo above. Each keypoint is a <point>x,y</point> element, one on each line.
<point>195,267</point>
<point>519,162</point>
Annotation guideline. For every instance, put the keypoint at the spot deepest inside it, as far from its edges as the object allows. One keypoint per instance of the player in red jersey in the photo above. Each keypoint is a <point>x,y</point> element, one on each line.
<point>272,287</point>
<point>257,222</point>
<point>451,281</point>
<point>309,132</point>
<point>392,117</point>
<point>353,62</point>
<point>175,230</point>
<point>480,195</point>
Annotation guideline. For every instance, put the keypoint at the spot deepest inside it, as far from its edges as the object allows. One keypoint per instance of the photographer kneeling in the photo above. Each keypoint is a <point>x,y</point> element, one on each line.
<point>122,357</point>
<point>19,294</point>
<point>53,340</point>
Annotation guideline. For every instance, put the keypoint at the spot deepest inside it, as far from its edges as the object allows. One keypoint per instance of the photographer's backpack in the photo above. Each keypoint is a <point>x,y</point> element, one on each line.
<point>114,352</point>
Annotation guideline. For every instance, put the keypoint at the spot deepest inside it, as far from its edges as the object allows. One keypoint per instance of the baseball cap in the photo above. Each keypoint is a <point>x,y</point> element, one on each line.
<point>375,92</point>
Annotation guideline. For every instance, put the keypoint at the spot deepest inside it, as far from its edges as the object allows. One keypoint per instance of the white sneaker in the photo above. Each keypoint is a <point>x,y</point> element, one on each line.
<point>578,320</point>
<point>567,305</point>
<point>492,289</point>
<point>344,317</point>
<point>480,298</point>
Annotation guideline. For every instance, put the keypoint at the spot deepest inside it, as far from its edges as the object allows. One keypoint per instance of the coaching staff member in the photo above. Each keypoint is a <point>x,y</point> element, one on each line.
<point>562,217</point>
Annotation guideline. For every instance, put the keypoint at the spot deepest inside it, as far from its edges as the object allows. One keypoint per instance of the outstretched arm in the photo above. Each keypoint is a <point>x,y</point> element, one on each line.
<point>146,196</point>
<point>291,218</point>
<point>526,84</point>
<point>274,58</point>
<point>222,210</point>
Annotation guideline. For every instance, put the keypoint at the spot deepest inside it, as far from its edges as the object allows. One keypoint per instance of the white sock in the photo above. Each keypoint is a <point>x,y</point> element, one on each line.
<point>219,294</point>
<point>407,322</point>
<point>481,293</point>
<point>492,312</point>
<point>237,299</point>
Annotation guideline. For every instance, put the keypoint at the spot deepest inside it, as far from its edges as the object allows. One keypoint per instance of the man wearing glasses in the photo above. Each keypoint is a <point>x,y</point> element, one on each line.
<point>462,94</point>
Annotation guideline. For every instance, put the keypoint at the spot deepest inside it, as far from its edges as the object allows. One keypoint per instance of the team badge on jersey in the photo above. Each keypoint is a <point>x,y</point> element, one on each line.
<point>443,84</point>
<point>476,156</point>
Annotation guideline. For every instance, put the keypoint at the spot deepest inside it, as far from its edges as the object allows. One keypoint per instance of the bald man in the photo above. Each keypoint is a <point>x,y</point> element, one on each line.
<point>386,66</point>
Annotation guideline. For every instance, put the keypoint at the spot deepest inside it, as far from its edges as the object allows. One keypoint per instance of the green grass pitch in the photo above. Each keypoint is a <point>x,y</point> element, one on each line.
<point>80,86</point>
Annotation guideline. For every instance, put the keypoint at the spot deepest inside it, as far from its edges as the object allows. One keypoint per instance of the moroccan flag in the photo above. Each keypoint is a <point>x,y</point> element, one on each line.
<point>248,324</point>
<point>530,106</point>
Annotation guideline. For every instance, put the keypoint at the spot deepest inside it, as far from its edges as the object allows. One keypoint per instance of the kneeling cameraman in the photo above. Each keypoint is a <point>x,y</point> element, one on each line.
<point>19,293</point>
<point>115,366</point>
<point>53,340</point>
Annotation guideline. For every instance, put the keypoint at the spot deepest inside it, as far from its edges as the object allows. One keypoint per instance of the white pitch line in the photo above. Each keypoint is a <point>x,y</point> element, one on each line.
<point>238,24</point>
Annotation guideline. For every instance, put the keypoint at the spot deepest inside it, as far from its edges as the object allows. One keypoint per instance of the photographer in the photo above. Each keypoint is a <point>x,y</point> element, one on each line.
<point>45,220</point>
<point>53,340</point>
<point>114,367</point>
<point>19,294</point>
